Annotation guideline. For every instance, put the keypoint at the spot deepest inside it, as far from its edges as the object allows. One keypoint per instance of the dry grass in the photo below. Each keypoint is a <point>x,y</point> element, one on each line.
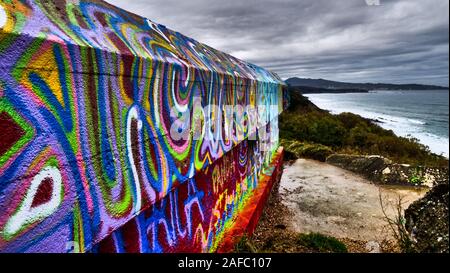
<point>396,222</point>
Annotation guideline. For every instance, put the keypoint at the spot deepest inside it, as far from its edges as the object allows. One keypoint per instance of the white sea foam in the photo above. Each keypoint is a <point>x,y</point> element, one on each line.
<point>417,121</point>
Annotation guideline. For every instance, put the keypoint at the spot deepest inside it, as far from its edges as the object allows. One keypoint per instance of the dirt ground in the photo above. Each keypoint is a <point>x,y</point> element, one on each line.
<point>317,197</point>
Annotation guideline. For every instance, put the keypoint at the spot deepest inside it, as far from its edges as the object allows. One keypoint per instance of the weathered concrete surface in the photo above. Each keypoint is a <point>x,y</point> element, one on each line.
<point>90,95</point>
<point>336,202</point>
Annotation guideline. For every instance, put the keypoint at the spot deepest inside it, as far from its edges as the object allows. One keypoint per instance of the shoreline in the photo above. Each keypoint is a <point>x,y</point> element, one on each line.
<point>439,145</point>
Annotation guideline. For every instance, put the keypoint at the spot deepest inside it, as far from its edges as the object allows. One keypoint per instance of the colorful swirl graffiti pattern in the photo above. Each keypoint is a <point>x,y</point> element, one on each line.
<point>86,92</point>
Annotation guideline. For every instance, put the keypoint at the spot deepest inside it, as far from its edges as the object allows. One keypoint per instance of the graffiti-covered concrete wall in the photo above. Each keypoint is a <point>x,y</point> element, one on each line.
<point>115,133</point>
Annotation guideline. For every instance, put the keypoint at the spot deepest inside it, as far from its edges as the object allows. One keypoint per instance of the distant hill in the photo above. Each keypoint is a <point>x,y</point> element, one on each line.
<point>333,85</point>
<point>312,90</point>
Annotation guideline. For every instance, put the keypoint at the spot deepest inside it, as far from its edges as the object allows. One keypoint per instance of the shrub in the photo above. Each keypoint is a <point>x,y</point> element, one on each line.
<point>397,222</point>
<point>322,243</point>
<point>245,245</point>
<point>299,149</point>
<point>349,120</point>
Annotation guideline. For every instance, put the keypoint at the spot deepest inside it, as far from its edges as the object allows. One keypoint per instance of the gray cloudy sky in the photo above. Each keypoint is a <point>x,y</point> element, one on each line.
<point>400,41</point>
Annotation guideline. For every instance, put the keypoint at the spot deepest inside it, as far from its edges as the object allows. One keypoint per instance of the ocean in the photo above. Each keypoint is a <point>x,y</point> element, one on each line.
<point>420,114</point>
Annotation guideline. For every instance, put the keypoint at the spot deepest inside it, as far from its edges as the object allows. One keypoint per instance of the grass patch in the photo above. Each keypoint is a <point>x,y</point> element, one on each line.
<point>321,243</point>
<point>245,245</point>
<point>306,150</point>
<point>281,241</point>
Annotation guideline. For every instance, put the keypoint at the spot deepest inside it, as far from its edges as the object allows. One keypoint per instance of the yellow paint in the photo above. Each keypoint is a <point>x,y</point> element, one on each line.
<point>44,64</point>
<point>9,9</point>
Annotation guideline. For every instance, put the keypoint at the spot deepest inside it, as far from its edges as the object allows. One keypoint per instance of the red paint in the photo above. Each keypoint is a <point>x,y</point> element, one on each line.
<point>10,132</point>
<point>247,219</point>
<point>131,241</point>
<point>107,245</point>
<point>43,193</point>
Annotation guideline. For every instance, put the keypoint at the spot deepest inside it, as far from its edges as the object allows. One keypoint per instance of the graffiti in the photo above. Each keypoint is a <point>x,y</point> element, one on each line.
<point>86,93</point>
<point>195,215</point>
<point>41,200</point>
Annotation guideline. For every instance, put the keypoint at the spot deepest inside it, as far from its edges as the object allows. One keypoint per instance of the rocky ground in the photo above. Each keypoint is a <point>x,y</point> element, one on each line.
<point>317,197</point>
<point>381,170</point>
<point>427,221</point>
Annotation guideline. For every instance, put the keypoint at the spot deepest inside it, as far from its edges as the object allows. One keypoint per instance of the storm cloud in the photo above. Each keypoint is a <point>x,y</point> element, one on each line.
<point>403,41</point>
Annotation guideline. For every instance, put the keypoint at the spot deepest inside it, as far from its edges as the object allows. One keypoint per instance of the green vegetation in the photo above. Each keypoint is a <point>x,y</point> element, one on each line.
<point>297,149</point>
<point>397,223</point>
<point>416,178</point>
<point>322,243</point>
<point>245,245</point>
<point>310,132</point>
<point>290,242</point>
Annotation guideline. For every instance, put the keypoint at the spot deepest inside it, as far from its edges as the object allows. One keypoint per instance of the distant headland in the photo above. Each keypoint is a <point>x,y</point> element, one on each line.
<point>326,86</point>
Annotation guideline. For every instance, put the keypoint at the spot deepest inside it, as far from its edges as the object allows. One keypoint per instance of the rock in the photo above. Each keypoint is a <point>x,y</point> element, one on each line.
<point>427,221</point>
<point>359,164</point>
<point>381,170</point>
<point>373,247</point>
<point>369,166</point>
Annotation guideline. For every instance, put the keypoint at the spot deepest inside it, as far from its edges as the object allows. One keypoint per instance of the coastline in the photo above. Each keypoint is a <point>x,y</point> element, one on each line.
<point>402,126</point>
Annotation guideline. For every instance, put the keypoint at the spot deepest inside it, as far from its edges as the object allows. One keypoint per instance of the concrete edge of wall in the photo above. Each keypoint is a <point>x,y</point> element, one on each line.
<point>247,220</point>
